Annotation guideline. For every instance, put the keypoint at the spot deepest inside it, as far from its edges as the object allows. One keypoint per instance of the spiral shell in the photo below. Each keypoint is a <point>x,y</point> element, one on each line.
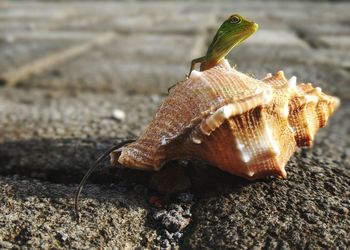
<point>242,125</point>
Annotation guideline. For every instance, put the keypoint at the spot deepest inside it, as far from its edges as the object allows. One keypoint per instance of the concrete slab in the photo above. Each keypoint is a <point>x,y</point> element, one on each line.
<point>341,42</point>
<point>273,38</point>
<point>141,63</point>
<point>17,53</point>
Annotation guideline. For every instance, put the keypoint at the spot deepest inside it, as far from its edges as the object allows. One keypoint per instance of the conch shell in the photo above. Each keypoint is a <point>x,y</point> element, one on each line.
<point>242,125</point>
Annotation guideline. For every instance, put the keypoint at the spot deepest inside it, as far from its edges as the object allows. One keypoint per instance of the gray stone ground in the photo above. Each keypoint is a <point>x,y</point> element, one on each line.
<point>64,69</point>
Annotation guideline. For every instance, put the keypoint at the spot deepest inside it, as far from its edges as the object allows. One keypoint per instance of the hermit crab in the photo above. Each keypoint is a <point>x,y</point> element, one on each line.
<point>242,125</point>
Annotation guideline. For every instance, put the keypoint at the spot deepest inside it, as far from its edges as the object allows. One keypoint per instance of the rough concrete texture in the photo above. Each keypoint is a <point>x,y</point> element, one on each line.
<point>69,73</point>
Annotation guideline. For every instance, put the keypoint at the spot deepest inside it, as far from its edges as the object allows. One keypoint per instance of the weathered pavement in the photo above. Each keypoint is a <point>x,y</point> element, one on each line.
<point>64,69</point>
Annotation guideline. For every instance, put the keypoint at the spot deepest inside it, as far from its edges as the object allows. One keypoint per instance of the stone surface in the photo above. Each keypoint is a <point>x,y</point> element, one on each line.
<point>40,215</point>
<point>15,53</point>
<point>63,133</point>
<point>310,209</point>
<point>273,38</point>
<point>337,42</point>
<point>135,63</point>
<point>73,64</point>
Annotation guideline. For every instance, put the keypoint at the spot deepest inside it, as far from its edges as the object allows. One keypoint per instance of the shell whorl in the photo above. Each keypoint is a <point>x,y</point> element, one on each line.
<point>242,125</point>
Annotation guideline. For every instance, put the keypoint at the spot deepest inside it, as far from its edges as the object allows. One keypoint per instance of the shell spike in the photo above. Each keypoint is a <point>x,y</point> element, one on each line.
<point>195,74</point>
<point>292,82</point>
<point>280,75</point>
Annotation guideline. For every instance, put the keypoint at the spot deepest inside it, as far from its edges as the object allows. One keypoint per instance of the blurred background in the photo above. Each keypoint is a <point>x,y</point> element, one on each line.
<point>75,77</point>
<point>95,50</point>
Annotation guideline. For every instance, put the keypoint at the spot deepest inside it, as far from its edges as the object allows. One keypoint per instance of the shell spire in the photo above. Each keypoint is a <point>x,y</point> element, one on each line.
<point>244,126</point>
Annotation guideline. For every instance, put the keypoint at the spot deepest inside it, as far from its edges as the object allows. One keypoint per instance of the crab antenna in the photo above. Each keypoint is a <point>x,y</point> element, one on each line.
<point>92,169</point>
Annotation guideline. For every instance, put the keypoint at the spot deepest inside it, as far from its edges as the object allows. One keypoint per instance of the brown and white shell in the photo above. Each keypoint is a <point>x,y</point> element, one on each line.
<point>242,125</point>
